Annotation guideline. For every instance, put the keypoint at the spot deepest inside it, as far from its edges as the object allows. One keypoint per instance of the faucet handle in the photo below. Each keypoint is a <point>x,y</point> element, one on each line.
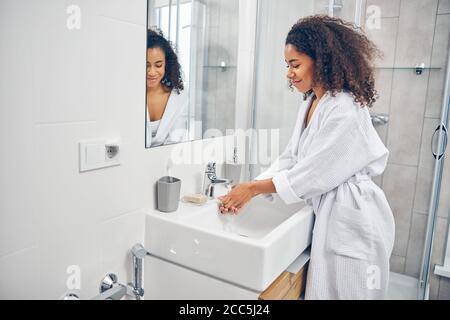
<point>211,167</point>
<point>108,282</point>
<point>210,172</point>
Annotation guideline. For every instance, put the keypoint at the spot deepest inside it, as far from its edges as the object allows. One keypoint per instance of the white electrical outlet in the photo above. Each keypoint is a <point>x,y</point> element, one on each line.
<point>97,154</point>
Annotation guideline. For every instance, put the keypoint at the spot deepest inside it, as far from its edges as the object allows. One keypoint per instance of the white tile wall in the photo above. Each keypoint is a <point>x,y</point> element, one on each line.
<point>123,10</point>
<point>114,239</point>
<point>20,275</point>
<point>58,87</point>
<point>62,63</point>
<point>16,132</point>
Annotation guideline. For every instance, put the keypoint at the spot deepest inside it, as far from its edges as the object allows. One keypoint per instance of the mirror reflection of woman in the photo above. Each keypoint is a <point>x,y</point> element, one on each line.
<point>167,105</point>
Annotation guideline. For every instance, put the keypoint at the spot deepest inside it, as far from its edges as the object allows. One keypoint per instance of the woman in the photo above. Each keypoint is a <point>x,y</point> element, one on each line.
<point>167,106</point>
<point>329,161</point>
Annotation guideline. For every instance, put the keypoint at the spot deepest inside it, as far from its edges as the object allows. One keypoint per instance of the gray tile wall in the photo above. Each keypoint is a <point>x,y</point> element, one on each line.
<point>444,6</point>
<point>413,31</point>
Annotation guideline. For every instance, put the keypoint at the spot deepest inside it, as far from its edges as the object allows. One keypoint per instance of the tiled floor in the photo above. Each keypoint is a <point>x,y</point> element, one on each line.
<point>402,287</point>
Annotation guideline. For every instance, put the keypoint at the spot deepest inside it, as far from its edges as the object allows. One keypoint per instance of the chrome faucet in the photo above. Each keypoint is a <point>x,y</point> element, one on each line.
<point>112,289</point>
<point>210,180</point>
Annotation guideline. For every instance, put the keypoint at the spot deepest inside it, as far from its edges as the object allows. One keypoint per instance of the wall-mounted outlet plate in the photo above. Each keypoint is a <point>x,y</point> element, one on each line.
<point>97,154</point>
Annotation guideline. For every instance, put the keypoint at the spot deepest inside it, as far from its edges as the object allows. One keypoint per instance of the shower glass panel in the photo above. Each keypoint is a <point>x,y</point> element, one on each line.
<point>410,80</point>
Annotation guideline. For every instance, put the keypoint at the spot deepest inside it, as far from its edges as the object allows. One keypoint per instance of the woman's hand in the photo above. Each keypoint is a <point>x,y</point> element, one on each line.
<point>237,198</point>
<point>243,193</point>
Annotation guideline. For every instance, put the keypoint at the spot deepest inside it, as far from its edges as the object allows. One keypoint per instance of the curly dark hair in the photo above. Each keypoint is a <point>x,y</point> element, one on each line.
<point>172,79</point>
<point>342,56</point>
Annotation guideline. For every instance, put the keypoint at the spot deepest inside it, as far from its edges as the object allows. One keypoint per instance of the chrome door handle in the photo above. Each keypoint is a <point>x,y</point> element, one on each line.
<point>435,154</point>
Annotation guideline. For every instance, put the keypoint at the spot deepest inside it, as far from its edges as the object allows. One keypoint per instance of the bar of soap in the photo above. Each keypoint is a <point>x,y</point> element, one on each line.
<point>195,198</point>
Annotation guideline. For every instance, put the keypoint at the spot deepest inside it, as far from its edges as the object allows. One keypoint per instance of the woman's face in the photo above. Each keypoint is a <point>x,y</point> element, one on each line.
<point>156,66</point>
<point>300,68</point>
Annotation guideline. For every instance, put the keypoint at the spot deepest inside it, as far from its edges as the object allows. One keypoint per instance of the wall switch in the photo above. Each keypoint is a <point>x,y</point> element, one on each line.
<point>97,154</point>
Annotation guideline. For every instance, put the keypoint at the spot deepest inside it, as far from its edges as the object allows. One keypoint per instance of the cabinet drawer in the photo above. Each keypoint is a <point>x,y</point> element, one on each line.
<point>288,286</point>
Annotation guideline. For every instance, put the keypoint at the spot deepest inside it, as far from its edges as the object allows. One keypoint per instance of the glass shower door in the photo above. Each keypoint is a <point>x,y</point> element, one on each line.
<point>439,151</point>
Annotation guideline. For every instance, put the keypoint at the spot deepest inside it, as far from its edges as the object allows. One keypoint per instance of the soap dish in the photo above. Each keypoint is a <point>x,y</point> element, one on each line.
<point>198,199</point>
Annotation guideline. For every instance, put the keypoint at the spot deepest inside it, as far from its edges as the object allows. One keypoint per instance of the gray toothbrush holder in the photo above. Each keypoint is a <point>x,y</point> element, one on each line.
<point>168,194</point>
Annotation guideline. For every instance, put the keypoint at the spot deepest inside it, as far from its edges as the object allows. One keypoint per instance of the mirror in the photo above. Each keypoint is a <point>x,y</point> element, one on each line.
<point>192,48</point>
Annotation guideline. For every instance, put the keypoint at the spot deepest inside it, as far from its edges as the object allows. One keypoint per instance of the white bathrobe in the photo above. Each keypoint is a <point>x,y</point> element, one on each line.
<point>173,127</point>
<point>330,164</point>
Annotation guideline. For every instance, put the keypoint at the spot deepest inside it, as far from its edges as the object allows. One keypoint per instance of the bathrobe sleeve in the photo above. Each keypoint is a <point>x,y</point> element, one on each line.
<point>339,149</point>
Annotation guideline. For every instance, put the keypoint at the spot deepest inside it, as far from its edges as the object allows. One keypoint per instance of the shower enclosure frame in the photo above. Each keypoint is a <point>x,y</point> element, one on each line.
<point>439,155</point>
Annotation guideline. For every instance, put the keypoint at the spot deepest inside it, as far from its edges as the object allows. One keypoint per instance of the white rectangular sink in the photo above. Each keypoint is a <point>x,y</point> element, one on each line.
<point>250,250</point>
